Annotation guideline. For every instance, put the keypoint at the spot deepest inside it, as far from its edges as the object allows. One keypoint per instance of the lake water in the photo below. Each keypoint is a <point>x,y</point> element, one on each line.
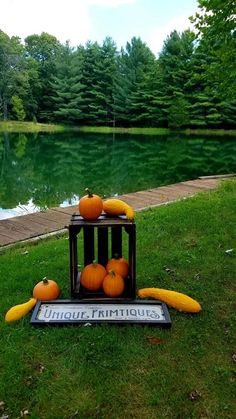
<point>39,171</point>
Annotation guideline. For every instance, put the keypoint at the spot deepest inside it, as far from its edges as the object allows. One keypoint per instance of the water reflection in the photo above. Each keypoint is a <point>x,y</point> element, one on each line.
<point>28,208</point>
<point>46,170</point>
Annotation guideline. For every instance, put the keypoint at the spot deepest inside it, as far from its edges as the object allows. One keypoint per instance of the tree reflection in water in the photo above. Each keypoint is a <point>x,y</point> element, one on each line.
<point>39,171</point>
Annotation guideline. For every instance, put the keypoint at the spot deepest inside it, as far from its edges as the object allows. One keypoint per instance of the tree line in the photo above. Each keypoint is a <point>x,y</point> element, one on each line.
<point>192,83</point>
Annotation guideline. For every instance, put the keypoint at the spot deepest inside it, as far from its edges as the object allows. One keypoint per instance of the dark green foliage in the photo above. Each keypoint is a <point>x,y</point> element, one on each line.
<point>132,89</point>
<point>216,26</point>
<point>191,84</point>
<point>67,87</point>
<point>44,50</point>
<point>12,72</point>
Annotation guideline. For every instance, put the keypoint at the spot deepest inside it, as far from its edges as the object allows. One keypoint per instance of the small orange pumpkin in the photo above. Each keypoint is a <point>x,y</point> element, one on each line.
<point>92,276</point>
<point>90,206</point>
<point>113,284</point>
<point>47,289</point>
<point>118,265</point>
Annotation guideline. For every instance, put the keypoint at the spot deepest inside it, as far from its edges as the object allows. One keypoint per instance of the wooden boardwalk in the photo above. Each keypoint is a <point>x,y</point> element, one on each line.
<point>37,225</point>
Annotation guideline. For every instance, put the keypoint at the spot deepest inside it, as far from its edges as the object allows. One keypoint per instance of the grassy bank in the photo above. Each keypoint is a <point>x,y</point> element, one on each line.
<point>15,126</point>
<point>113,372</point>
<point>157,131</point>
<point>122,130</point>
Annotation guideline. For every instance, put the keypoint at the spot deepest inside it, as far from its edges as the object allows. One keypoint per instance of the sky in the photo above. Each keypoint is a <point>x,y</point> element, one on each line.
<point>81,20</point>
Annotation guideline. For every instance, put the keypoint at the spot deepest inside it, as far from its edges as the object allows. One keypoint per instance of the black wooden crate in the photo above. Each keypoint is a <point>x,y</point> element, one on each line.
<point>104,238</point>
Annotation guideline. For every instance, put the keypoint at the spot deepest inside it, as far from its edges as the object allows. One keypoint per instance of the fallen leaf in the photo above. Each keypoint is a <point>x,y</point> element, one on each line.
<point>153,340</point>
<point>195,395</point>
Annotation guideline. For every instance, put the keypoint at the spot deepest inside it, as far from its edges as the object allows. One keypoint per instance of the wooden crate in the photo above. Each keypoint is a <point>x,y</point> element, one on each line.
<point>102,238</point>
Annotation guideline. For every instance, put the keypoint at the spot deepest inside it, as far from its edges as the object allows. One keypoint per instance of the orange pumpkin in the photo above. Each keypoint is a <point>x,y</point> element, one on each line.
<point>92,276</point>
<point>118,265</point>
<point>113,284</point>
<point>90,206</point>
<point>47,289</point>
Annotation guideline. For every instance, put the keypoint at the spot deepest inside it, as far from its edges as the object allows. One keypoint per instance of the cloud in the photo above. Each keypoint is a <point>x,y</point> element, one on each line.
<point>158,35</point>
<point>63,19</point>
<point>109,3</point>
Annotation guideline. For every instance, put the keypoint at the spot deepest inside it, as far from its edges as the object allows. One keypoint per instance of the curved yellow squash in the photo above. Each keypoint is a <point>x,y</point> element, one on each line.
<point>173,299</point>
<point>116,207</point>
<point>20,310</point>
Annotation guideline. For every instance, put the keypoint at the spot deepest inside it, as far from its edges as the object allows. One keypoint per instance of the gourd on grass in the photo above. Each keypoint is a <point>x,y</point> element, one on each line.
<point>47,289</point>
<point>20,310</point>
<point>173,299</point>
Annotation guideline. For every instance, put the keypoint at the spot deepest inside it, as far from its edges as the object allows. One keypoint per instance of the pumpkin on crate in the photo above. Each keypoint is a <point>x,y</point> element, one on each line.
<point>90,206</point>
<point>47,289</point>
<point>113,284</point>
<point>119,265</point>
<point>92,276</point>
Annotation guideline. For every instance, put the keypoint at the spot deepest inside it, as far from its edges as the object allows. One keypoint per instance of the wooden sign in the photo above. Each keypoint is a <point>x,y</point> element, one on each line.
<point>80,312</point>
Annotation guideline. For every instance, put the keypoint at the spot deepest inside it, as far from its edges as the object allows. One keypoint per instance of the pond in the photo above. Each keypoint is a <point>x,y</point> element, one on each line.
<point>40,171</point>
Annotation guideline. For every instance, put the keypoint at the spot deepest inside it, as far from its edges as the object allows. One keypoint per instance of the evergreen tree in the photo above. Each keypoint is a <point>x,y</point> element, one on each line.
<point>106,72</point>
<point>98,75</point>
<point>91,57</point>
<point>175,62</point>
<point>67,87</point>
<point>135,66</point>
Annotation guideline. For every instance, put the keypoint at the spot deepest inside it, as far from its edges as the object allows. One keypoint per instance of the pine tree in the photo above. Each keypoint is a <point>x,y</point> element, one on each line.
<point>135,65</point>
<point>67,87</point>
<point>174,62</point>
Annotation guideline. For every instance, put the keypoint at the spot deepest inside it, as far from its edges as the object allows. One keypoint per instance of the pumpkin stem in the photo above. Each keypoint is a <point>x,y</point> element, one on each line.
<point>112,273</point>
<point>88,192</point>
<point>45,280</point>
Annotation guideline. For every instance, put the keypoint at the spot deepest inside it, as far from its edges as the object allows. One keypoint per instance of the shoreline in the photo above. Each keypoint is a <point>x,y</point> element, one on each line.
<point>35,127</point>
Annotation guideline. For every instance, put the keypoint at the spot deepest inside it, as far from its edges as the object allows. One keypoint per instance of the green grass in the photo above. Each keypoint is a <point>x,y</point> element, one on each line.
<point>16,126</point>
<point>123,130</point>
<point>112,371</point>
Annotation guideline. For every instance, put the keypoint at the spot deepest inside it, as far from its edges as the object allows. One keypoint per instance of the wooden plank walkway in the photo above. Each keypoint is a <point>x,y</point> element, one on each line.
<point>37,225</point>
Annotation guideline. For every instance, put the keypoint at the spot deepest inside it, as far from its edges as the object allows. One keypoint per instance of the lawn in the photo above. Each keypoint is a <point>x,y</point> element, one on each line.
<point>118,372</point>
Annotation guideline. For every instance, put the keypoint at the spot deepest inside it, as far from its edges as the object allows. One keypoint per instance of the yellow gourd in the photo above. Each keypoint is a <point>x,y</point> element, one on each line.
<point>115,206</point>
<point>20,310</point>
<point>173,299</point>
